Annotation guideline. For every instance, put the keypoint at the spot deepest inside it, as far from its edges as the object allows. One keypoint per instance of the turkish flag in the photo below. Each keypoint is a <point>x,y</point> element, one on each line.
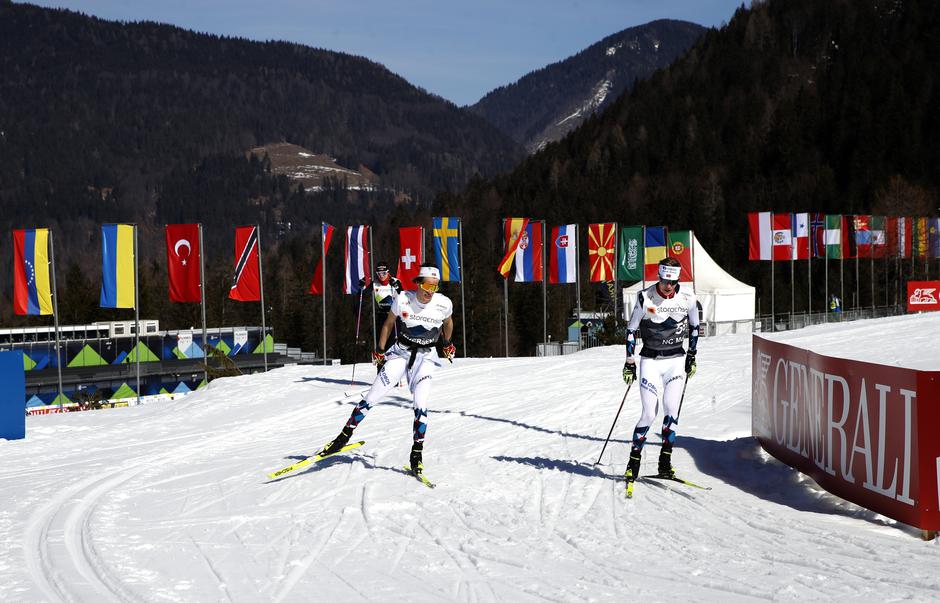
<point>182,261</point>
<point>410,255</point>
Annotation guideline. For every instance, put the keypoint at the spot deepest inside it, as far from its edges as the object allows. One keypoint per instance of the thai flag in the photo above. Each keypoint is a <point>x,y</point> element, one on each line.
<point>529,254</point>
<point>357,258</point>
<point>563,254</point>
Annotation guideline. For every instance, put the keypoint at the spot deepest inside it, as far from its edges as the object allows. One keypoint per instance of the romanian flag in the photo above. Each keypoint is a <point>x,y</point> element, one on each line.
<point>655,251</point>
<point>32,294</point>
<point>117,266</point>
<point>515,229</point>
<point>602,251</point>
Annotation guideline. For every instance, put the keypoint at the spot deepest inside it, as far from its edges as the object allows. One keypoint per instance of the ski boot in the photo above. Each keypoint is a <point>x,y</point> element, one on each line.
<point>665,462</point>
<point>417,467</point>
<point>633,467</point>
<point>338,442</point>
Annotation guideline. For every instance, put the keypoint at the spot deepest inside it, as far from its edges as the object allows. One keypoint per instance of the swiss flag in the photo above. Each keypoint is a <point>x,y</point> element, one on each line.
<point>411,254</point>
<point>183,262</point>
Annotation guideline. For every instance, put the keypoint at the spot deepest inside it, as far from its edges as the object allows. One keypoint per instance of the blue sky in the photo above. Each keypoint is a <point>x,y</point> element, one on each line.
<point>457,50</point>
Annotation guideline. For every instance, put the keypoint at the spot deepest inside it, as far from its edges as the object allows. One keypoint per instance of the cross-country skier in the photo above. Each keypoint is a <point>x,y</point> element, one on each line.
<point>663,315</point>
<point>385,288</point>
<point>422,318</point>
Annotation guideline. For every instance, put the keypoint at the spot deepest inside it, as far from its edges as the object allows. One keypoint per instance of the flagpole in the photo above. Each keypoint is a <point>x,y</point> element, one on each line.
<point>55,316</point>
<point>506,294</point>
<point>792,287</point>
<point>136,315</point>
<point>577,278</point>
<point>616,265</point>
<point>264,327</point>
<point>323,281</point>
<point>375,339</point>
<point>809,273</point>
<point>826,275</point>
<point>544,289</point>
<point>463,280</point>
<point>858,298</point>
<point>871,253</point>
<point>643,270</point>
<point>202,296</point>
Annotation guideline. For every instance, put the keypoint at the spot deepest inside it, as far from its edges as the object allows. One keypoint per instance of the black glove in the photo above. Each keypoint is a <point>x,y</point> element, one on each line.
<point>629,372</point>
<point>690,363</point>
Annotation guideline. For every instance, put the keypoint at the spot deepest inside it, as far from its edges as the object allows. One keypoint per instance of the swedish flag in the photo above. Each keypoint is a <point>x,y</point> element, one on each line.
<point>446,247</point>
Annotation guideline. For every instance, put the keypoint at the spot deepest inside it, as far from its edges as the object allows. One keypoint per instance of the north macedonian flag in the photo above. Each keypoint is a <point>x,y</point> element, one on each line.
<point>602,250</point>
<point>32,294</point>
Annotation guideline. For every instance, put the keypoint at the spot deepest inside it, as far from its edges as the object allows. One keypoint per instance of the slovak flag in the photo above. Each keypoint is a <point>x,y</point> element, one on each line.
<point>529,254</point>
<point>563,254</point>
<point>800,237</point>
<point>357,258</point>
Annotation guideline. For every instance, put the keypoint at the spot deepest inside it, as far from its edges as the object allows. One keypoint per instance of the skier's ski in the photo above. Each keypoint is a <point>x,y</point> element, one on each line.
<point>676,479</point>
<point>312,459</point>
<point>420,477</point>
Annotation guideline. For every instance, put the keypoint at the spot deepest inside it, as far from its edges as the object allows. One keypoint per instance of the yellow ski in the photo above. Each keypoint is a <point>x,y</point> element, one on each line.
<point>312,459</point>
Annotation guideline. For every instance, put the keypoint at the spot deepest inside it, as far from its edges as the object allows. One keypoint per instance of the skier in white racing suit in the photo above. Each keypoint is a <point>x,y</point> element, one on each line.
<point>385,288</point>
<point>421,317</point>
<point>663,316</point>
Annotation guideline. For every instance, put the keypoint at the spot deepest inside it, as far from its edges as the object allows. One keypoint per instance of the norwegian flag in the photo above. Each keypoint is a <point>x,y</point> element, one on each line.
<point>357,258</point>
<point>817,235</point>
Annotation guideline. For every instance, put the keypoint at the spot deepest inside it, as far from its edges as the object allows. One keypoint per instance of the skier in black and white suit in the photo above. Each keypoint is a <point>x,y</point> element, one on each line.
<point>421,319</point>
<point>385,288</point>
<point>663,316</point>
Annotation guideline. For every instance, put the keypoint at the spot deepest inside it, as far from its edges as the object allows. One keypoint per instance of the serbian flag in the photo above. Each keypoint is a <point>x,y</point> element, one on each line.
<point>863,236</point>
<point>316,285</point>
<point>357,258</point>
<point>602,251</point>
<point>117,266</point>
<point>515,229</point>
<point>410,256</point>
<point>800,237</point>
<point>655,245</point>
<point>32,294</point>
<point>904,237</point>
<point>563,254</point>
<point>246,284</point>
<point>529,254</point>
<point>183,262</point>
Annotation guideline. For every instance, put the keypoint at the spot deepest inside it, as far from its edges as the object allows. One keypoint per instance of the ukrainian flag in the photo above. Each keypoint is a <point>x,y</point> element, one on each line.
<point>32,294</point>
<point>117,266</point>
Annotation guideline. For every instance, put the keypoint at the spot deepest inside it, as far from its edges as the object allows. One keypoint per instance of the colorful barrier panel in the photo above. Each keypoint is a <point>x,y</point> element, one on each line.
<point>865,432</point>
<point>12,396</point>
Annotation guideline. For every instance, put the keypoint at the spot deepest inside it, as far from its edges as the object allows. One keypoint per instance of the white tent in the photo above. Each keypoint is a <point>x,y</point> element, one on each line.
<point>727,303</point>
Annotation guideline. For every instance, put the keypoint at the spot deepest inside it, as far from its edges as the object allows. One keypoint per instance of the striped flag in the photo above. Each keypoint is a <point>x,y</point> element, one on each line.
<point>357,258</point>
<point>316,285</point>
<point>563,254</point>
<point>32,293</point>
<point>117,266</point>
<point>655,246</point>
<point>246,283</point>
<point>515,229</point>
<point>528,261</point>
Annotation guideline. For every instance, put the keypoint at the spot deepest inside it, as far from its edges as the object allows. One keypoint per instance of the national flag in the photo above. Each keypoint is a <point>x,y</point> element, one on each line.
<point>630,254</point>
<point>680,247</point>
<point>919,242</point>
<point>602,251</point>
<point>117,266</point>
<point>817,235</point>
<point>799,241</point>
<point>563,254</point>
<point>32,293</point>
<point>782,236</point>
<point>760,238</point>
<point>863,236</point>
<point>904,237</point>
<point>933,237</point>
<point>849,238</point>
<point>246,284</point>
<point>515,228</point>
<point>528,261</point>
<point>834,236</point>
<point>891,237</point>
<point>183,262</point>
<point>447,247</point>
<point>326,234</point>
<point>654,250</point>
<point>410,255</point>
<point>879,241</point>
<point>357,258</point>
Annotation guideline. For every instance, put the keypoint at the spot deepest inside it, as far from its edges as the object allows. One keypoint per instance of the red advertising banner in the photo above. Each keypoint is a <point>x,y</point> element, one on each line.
<point>862,431</point>
<point>923,295</point>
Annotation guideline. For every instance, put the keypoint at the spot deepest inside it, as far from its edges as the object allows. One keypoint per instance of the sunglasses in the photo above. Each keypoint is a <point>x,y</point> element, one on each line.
<point>430,288</point>
<point>665,283</point>
<point>381,271</point>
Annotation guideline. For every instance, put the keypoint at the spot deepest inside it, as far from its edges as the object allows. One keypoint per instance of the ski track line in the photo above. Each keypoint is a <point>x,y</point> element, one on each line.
<point>294,576</point>
<point>218,577</point>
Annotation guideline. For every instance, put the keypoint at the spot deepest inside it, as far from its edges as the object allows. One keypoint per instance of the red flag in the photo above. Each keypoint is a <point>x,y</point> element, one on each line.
<point>781,237</point>
<point>183,263</point>
<point>410,255</point>
<point>891,237</point>
<point>515,230</point>
<point>602,249</point>
<point>316,285</point>
<point>246,285</point>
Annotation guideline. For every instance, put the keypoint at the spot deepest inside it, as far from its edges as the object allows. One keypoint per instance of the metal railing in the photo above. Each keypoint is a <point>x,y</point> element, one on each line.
<point>788,322</point>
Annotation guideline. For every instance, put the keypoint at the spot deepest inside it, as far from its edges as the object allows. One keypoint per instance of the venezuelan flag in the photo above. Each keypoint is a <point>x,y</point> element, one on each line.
<point>117,266</point>
<point>32,294</point>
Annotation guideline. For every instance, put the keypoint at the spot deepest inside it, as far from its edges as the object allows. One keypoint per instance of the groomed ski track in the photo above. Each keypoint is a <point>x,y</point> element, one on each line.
<point>170,501</point>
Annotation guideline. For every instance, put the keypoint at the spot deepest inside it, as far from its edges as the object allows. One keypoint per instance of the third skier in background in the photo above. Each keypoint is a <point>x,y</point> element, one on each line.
<point>663,316</point>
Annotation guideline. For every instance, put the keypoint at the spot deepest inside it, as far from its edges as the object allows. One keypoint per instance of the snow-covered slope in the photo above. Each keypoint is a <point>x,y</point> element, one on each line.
<point>170,502</point>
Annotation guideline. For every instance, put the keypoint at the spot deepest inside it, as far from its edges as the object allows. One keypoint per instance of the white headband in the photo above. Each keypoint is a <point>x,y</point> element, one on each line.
<point>428,272</point>
<point>669,273</point>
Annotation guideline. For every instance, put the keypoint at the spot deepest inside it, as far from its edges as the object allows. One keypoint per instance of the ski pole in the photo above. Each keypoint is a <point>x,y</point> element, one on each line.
<point>614,423</point>
<point>682,398</point>
<point>358,317</point>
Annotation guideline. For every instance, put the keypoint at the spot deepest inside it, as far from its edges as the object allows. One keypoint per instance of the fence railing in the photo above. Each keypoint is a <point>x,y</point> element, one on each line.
<point>787,322</point>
